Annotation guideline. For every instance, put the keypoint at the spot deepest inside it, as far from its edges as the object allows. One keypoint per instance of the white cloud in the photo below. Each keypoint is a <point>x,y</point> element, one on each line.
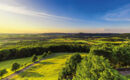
<point>14,7</point>
<point>121,14</point>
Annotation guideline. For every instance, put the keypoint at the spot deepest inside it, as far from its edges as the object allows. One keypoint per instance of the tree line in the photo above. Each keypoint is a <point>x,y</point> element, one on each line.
<point>22,52</point>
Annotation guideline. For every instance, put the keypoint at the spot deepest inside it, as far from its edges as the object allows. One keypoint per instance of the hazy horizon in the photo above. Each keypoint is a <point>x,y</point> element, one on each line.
<point>64,16</point>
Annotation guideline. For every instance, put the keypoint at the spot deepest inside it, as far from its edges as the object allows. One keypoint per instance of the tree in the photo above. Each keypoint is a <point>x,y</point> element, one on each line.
<point>2,72</point>
<point>70,69</point>
<point>94,67</point>
<point>122,54</point>
<point>34,58</point>
<point>44,55</point>
<point>49,52</point>
<point>15,66</point>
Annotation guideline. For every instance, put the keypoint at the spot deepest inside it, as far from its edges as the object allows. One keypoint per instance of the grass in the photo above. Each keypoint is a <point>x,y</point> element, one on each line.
<point>47,69</point>
<point>128,76</point>
<point>8,64</point>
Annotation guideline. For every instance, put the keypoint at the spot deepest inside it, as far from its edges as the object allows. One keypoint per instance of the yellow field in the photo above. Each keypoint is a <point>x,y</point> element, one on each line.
<point>47,69</point>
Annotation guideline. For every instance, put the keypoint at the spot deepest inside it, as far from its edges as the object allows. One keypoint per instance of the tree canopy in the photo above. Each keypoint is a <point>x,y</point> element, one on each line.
<point>94,67</point>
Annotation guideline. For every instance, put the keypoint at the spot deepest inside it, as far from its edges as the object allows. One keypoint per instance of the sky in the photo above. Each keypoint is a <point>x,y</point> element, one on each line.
<point>64,16</point>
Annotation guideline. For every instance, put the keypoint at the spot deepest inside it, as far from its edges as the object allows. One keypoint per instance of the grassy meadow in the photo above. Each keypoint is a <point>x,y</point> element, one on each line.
<point>47,69</point>
<point>8,64</point>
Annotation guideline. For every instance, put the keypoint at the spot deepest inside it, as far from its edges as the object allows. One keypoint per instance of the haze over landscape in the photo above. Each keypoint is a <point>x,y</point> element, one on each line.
<point>45,16</point>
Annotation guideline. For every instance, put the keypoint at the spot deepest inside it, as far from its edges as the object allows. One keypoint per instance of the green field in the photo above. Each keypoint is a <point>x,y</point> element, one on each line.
<point>128,76</point>
<point>8,64</point>
<point>47,69</point>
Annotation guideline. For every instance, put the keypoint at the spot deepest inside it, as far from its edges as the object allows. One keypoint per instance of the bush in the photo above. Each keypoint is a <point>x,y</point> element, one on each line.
<point>94,67</point>
<point>15,66</point>
<point>44,55</point>
<point>34,58</point>
<point>49,53</point>
<point>2,72</point>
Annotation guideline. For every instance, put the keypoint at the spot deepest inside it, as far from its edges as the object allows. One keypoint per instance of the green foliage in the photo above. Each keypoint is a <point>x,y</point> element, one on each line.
<point>15,66</point>
<point>102,50</point>
<point>49,53</point>
<point>122,54</point>
<point>2,72</point>
<point>118,56</point>
<point>69,70</point>
<point>44,55</point>
<point>34,58</point>
<point>94,67</point>
<point>105,51</point>
<point>28,51</point>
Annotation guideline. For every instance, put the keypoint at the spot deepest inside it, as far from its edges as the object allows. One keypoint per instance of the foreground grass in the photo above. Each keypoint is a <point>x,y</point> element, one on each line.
<point>8,64</point>
<point>47,69</point>
<point>128,76</point>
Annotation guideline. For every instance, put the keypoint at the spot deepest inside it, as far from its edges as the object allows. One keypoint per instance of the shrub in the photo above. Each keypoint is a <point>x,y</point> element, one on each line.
<point>34,58</point>
<point>2,72</point>
<point>49,53</point>
<point>15,66</point>
<point>44,55</point>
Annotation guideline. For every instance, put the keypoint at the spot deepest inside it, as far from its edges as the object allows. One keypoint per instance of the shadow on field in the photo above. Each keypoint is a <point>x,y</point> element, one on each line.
<point>57,55</point>
<point>62,57</point>
<point>30,74</point>
<point>47,63</point>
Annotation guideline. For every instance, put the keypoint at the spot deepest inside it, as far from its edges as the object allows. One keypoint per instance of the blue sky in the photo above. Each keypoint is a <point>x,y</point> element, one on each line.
<point>39,16</point>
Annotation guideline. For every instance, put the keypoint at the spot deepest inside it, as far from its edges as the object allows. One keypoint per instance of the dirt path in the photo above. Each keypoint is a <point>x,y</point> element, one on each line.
<point>124,71</point>
<point>22,70</point>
